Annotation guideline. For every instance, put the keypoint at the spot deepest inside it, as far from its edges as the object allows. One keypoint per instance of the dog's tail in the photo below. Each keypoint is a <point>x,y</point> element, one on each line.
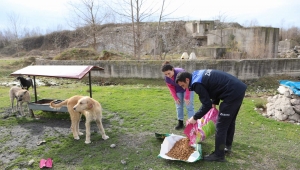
<point>55,105</point>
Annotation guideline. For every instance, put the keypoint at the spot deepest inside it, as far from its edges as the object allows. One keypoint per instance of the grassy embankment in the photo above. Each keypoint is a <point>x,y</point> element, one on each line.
<point>133,112</point>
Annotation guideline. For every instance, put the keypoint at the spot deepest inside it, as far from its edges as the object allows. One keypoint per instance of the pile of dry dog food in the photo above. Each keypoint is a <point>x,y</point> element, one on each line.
<point>181,150</point>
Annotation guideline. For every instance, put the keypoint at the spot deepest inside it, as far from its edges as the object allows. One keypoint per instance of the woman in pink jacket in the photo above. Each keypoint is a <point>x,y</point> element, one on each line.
<point>180,95</point>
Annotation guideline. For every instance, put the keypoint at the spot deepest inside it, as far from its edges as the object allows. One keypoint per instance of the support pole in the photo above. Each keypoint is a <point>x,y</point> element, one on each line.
<point>34,85</point>
<point>90,84</point>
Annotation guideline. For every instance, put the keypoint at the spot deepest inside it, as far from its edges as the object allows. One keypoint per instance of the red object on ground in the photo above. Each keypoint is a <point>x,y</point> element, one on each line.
<point>46,163</point>
<point>49,163</point>
<point>42,163</point>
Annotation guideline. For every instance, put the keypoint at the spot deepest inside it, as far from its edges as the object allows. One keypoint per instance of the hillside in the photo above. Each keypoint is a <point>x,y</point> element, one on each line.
<point>112,40</point>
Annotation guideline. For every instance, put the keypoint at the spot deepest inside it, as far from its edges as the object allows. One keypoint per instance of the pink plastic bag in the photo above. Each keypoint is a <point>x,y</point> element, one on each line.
<point>212,114</point>
<point>204,127</point>
<point>191,131</point>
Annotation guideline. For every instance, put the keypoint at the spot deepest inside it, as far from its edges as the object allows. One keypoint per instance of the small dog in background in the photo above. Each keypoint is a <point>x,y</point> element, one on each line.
<point>91,109</point>
<point>25,83</point>
<point>21,96</point>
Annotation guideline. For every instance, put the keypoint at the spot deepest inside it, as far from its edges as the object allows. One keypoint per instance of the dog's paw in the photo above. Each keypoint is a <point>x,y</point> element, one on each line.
<point>87,142</point>
<point>80,133</point>
<point>105,137</point>
<point>76,138</point>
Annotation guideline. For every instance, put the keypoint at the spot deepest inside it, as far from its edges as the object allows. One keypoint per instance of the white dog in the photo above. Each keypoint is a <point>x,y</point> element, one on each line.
<point>192,56</point>
<point>91,109</point>
<point>21,96</point>
<point>184,56</point>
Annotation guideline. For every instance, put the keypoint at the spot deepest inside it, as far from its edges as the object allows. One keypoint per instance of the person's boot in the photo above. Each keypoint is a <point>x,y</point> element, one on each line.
<point>214,157</point>
<point>179,125</point>
<point>227,149</point>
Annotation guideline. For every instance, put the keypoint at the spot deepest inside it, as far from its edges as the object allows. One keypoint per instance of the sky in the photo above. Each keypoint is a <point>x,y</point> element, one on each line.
<point>49,15</point>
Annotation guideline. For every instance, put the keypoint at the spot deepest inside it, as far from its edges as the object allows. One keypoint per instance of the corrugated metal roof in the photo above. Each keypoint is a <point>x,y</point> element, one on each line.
<point>59,71</point>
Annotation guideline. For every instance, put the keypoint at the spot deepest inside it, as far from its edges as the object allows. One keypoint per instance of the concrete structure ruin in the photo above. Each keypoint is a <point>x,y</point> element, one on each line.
<point>288,49</point>
<point>234,40</point>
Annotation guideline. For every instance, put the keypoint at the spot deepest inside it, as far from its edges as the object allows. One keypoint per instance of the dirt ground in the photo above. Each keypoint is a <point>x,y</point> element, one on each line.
<point>30,135</point>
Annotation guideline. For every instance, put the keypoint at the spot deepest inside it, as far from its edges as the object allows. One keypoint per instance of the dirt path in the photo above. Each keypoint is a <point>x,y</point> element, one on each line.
<point>28,136</point>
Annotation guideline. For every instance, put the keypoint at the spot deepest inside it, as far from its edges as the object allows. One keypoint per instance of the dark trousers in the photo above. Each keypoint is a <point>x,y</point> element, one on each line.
<point>225,125</point>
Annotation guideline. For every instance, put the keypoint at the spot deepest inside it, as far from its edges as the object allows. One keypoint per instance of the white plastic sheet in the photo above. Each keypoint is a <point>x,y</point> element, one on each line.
<point>168,144</point>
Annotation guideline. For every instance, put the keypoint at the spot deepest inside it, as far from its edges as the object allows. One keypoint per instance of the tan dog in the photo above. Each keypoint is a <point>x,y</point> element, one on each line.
<point>21,96</point>
<point>91,109</point>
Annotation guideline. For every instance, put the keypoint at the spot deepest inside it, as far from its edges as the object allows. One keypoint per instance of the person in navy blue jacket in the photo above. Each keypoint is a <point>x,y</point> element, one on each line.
<point>181,96</point>
<point>211,87</point>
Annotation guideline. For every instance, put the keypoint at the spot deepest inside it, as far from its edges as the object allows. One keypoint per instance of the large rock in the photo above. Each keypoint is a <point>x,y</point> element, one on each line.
<point>295,101</point>
<point>270,109</point>
<point>272,99</point>
<point>287,110</point>
<point>295,117</point>
<point>280,116</point>
<point>284,106</point>
<point>297,108</point>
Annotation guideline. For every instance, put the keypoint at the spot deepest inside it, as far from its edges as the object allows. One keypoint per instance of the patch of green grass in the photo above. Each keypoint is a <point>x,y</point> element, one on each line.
<point>22,150</point>
<point>267,141</point>
<point>135,112</point>
<point>133,109</point>
<point>78,54</point>
<point>267,85</point>
<point>7,66</point>
<point>259,102</point>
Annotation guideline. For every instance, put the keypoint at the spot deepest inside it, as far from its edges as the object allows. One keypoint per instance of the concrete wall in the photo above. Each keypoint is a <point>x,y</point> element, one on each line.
<point>286,45</point>
<point>199,28</point>
<point>215,52</point>
<point>259,42</point>
<point>243,69</point>
<point>189,27</point>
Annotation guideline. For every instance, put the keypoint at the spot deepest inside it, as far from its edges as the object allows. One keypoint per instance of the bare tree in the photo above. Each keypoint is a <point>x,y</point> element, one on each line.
<point>138,15</point>
<point>161,17</point>
<point>221,25</point>
<point>281,30</point>
<point>293,33</point>
<point>160,45</point>
<point>158,29</point>
<point>135,11</point>
<point>15,28</point>
<point>253,23</point>
<point>139,11</point>
<point>3,40</point>
<point>88,15</point>
<point>133,29</point>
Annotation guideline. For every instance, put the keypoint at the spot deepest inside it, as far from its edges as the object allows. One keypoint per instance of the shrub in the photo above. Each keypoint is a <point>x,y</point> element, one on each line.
<point>78,54</point>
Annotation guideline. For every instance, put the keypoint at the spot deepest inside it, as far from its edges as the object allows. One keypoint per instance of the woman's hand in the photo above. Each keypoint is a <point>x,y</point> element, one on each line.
<point>191,121</point>
<point>187,102</point>
<point>177,101</point>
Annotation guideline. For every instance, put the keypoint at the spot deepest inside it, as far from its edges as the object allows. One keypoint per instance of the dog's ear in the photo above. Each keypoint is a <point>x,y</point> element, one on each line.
<point>90,103</point>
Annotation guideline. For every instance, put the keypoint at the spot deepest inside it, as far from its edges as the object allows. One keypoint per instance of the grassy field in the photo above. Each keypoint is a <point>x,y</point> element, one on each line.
<point>132,113</point>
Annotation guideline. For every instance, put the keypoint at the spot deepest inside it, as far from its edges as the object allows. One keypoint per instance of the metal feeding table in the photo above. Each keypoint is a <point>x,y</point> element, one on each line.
<point>56,71</point>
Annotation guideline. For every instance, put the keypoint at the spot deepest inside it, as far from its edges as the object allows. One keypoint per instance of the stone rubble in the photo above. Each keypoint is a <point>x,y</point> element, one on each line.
<point>284,106</point>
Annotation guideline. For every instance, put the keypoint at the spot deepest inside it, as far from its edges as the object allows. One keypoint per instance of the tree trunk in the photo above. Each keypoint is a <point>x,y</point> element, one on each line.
<point>133,30</point>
